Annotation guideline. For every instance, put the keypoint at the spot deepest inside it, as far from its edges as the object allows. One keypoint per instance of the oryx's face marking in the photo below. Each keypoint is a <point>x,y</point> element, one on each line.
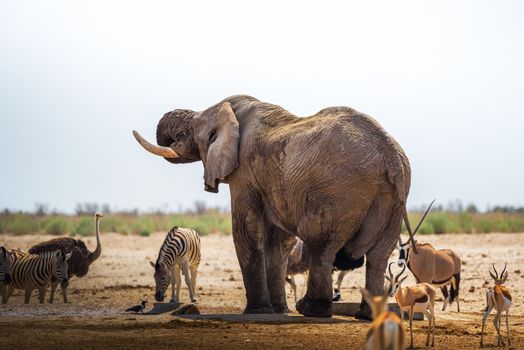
<point>403,254</point>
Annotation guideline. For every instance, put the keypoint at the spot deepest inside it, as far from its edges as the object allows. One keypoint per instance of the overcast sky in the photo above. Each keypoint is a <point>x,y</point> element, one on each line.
<point>445,78</point>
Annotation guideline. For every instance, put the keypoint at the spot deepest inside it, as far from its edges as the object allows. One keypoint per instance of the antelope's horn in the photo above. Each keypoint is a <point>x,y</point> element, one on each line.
<point>401,272</point>
<point>502,273</point>
<point>389,270</point>
<point>162,151</point>
<point>494,269</point>
<point>423,217</point>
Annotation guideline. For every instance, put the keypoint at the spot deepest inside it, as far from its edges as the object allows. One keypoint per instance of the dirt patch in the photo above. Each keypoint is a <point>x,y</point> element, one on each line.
<point>123,276</point>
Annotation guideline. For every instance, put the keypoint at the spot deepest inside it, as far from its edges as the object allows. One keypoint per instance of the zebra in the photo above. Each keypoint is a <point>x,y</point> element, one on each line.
<point>5,266</point>
<point>180,250</point>
<point>30,271</point>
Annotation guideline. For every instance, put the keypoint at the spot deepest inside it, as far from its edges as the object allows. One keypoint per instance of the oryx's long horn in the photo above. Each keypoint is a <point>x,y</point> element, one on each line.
<point>423,217</point>
<point>165,152</point>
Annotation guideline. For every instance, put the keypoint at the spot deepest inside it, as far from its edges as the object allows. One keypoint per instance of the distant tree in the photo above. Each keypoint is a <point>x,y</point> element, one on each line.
<point>472,208</point>
<point>200,207</point>
<point>455,206</point>
<point>41,209</point>
<point>86,208</point>
<point>106,209</point>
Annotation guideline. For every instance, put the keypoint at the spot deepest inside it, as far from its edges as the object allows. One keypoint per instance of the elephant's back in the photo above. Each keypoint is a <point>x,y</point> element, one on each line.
<point>341,139</point>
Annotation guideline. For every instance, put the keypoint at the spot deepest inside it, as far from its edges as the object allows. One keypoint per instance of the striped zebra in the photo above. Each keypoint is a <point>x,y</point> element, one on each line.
<point>5,267</point>
<point>34,271</point>
<point>180,251</point>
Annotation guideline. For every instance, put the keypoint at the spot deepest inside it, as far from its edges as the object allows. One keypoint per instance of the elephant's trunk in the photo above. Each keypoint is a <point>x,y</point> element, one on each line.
<point>96,254</point>
<point>162,151</point>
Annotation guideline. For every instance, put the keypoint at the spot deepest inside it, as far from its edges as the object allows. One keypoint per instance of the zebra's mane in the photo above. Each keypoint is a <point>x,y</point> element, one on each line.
<point>169,238</point>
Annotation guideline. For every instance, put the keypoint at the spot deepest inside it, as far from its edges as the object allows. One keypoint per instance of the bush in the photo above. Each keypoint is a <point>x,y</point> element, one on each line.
<point>143,226</point>
<point>213,221</point>
<point>113,224</point>
<point>438,223</point>
<point>84,227</point>
<point>466,223</point>
<point>485,226</point>
<point>203,224</point>
<point>144,233</point>
<point>22,224</point>
<point>57,225</point>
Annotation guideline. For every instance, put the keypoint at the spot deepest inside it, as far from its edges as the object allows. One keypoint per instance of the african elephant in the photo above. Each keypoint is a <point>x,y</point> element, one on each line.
<point>336,179</point>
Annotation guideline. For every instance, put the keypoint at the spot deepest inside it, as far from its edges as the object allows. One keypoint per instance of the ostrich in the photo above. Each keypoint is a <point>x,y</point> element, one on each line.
<point>80,260</point>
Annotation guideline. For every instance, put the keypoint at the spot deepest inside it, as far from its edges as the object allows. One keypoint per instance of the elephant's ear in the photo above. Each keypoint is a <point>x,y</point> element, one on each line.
<point>220,137</point>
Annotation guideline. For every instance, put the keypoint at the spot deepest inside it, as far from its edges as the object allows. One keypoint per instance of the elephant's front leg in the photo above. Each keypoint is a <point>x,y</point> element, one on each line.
<point>278,246</point>
<point>249,235</point>
<point>318,300</point>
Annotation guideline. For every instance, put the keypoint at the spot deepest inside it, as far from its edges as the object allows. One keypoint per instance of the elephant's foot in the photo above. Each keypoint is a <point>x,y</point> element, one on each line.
<point>281,309</point>
<point>258,310</point>
<point>314,308</point>
<point>364,313</point>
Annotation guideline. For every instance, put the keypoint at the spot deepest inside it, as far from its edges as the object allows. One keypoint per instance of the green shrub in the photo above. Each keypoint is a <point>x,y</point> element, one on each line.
<point>22,224</point>
<point>485,226</point>
<point>502,226</point>
<point>466,223</point>
<point>142,226</point>
<point>57,225</point>
<point>212,222</point>
<point>84,227</point>
<point>438,222</point>
<point>113,224</point>
<point>144,233</point>
<point>425,228</point>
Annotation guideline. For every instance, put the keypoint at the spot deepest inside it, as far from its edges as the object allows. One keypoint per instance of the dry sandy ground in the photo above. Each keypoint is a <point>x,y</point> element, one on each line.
<point>123,276</point>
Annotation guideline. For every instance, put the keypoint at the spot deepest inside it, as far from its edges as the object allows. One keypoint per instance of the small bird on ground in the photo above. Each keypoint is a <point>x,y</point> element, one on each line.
<point>138,308</point>
<point>336,296</point>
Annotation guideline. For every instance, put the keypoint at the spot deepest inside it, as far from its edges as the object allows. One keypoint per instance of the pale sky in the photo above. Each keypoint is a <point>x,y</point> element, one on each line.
<point>445,78</point>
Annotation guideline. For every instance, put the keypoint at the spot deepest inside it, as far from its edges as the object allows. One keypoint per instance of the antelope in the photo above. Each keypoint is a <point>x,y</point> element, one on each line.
<point>429,265</point>
<point>417,298</point>
<point>387,330</point>
<point>499,298</point>
<point>298,263</point>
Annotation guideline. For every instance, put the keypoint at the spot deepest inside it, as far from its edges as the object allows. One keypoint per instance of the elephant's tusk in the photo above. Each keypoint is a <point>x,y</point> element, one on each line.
<point>165,152</point>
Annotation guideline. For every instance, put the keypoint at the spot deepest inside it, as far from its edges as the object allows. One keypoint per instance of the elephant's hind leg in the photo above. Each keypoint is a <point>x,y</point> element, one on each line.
<point>318,300</point>
<point>382,228</point>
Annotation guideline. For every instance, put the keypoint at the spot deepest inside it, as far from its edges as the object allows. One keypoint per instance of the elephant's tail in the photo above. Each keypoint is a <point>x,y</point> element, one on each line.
<point>398,174</point>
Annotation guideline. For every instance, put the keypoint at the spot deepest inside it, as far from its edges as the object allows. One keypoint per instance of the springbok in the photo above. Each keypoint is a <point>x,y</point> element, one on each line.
<point>437,267</point>
<point>417,298</point>
<point>297,263</point>
<point>387,330</point>
<point>500,298</point>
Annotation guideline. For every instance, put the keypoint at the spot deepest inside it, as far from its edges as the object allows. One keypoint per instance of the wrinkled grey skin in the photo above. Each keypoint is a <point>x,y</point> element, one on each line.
<point>335,179</point>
